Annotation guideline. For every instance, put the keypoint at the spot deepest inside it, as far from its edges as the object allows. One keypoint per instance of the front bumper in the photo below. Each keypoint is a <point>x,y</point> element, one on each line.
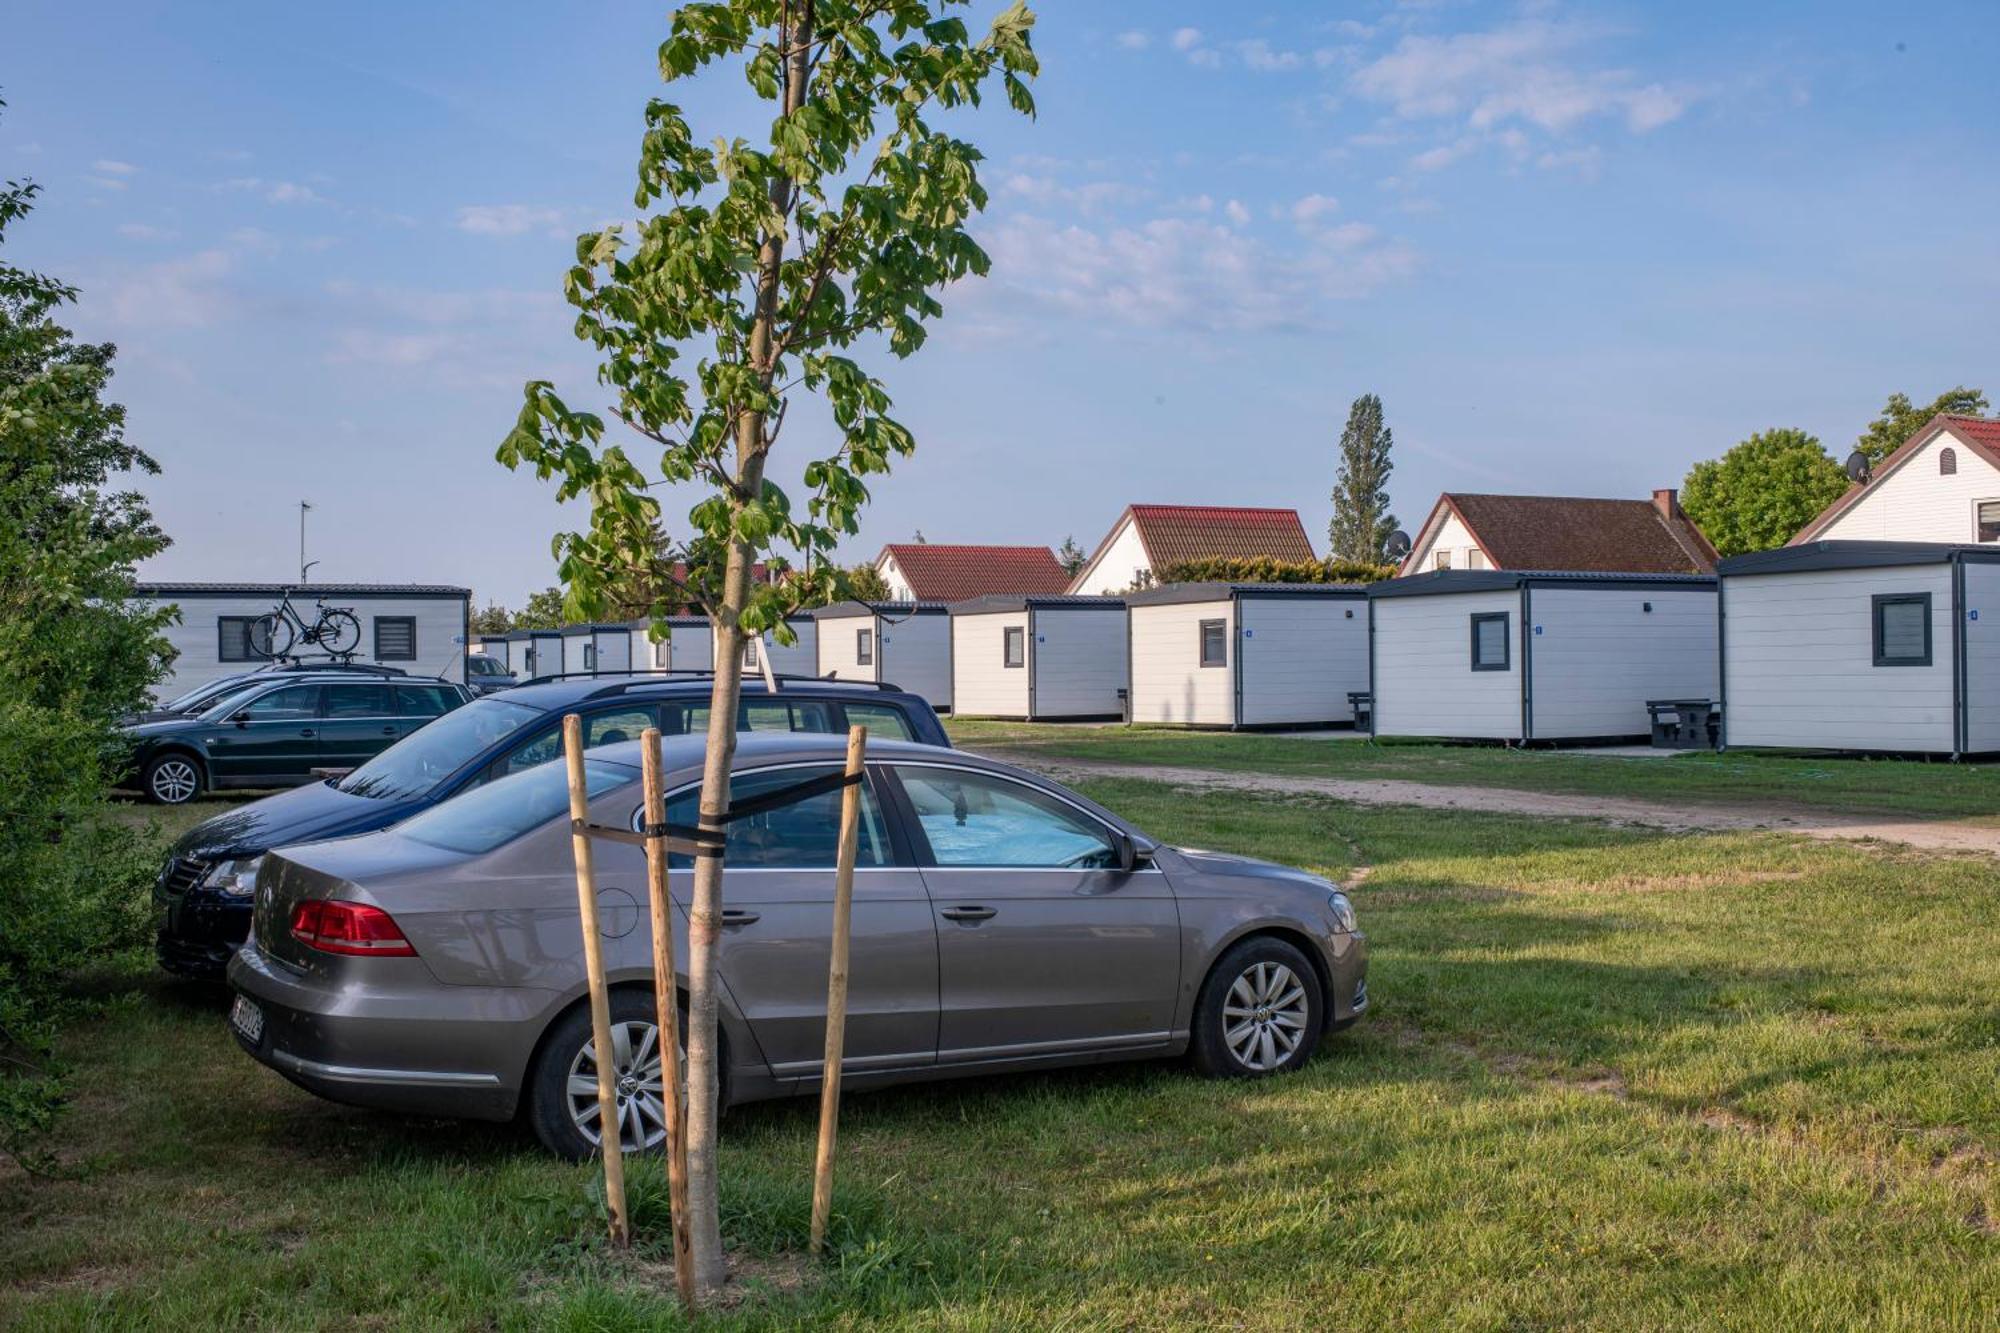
<point>1346,959</point>
<point>397,1042</point>
<point>199,928</point>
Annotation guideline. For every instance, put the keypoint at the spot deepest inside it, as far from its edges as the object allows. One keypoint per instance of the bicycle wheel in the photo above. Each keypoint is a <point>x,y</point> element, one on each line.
<point>270,636</point>
<point>339,631</point>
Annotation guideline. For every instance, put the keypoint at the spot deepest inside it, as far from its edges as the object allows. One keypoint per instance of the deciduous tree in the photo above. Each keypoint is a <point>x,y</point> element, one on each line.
<point>1759,494</point>
<point>1361,519</point>
<point>1901,419</point>
<point>772,250</point>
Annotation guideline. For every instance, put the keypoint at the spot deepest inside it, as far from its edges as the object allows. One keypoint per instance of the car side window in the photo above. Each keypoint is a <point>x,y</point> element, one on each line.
<point>425,700</point>
<point>981,819</point>
<point>534,754</point>
<point>884,721</point>
<point>357,701</point>
<point>294,701</point>
<point>804,835</point>
<point>624,724</point>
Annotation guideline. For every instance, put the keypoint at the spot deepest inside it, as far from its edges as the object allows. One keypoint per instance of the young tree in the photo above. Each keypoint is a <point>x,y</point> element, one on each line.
<point>1071,556</point>
<point>863,583</point>
<point>766,262</point>
<point>493,618</point>
<point>1361,519</point>
<point>542,610</point>
<point>1901,419</point>
<point>1759,494</point>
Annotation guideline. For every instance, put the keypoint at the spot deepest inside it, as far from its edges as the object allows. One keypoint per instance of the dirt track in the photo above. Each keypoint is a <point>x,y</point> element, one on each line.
<point>1931,836</point>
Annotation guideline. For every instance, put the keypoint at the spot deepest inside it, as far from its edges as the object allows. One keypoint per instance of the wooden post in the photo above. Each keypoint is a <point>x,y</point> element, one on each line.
<point>836,987</point>
<point>667,992</point>
<point>600,1000</point>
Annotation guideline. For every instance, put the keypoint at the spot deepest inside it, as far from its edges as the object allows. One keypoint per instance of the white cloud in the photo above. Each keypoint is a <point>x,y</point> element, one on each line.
<point>1091,197</point>
<point>1237,213</point>
<point>1186,39</point>
<point>1261,56</point>
<point>274,192</point>
<point>187,293</point>
<point>1442,156</point>
<point>1133,40</point>
<point>1310,210</point>
<point>112,167</point>
<point>142,231</point>
<point>106,182</point>
<point>509,219</point>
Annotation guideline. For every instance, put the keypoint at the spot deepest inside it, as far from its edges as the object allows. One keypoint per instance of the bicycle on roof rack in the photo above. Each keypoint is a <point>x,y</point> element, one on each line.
<point>335,630</point>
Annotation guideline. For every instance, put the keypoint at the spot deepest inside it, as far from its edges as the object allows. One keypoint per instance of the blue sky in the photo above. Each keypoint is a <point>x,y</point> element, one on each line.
<point>1574,247</point>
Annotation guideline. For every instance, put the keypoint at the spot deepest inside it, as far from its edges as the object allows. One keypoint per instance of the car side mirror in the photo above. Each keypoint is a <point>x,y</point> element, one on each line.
<point>1130,858</point>
<point>240,717</point>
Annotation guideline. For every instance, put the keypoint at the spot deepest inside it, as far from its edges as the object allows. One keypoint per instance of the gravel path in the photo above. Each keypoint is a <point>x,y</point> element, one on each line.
<point>1931,836</point>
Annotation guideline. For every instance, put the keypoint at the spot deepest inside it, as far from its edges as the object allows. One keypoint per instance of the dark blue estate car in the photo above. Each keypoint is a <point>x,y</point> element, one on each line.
<point>204,889</point>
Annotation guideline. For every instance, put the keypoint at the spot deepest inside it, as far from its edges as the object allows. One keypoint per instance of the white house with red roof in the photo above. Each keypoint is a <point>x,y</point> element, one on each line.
<point>941,572</point>
<point>1147,539</point>
<point>1942,485</point>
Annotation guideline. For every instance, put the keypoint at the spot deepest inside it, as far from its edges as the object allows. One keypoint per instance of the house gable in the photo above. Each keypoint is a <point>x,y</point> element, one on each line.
<point>1445,532</point>
<point>1913,497</point>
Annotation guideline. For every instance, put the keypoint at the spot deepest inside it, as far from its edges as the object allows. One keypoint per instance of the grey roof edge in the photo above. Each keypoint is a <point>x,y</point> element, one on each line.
<point>995,603</point>
<point>1442,582</point>
<point>1172,593</point>
<point>1828,555</point>
<point>850,610</point>
<point>299,590</point>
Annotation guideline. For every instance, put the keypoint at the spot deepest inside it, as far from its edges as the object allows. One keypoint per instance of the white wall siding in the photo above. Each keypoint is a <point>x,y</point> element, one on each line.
<point>1915,503</point>
<point>802,657</point>
<point>1600,655</point>
<point>914,653</point>
<point>982,685</point>
<point>835,649</point>
<point>1454,539</point>
<point>1301,657</point>
<point>891,571</point>
<point>1424,681</point>
<point>440,625</point>
<point>691,647</point>
<point>576,654</point>
<point>1982,656</point>
<point>1169,683</point>
<point>1078,657</point>
<point>614,650</point>
<point>1799,668</point>
<point>1122,563</point>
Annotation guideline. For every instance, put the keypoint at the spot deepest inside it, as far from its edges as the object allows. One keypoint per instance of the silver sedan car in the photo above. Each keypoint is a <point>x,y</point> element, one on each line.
<point>1001,923</point>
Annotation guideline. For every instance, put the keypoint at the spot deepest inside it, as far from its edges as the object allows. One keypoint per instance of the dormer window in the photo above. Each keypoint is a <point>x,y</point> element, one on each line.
<point>1947,462</point>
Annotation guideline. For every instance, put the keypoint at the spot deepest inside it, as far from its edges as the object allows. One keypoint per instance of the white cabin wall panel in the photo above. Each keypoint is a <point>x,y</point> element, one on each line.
<point>1078,657</point>
<point>1981,627</point>
<point>1169,683</point>
<point>440,624</point>
<point>981,684</point>
<point>914,653</point>
<point>1601,655</point>
<point>1424,682</point>
<point>1301,658</point>
<point>1800,663</point>
<point>837,647</point>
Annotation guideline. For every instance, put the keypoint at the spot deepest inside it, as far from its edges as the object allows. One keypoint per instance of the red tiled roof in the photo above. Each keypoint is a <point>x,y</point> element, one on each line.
<point>1172,534</point>
<point>941,573</point>
<point>1982,434</point>
<point>1568,533</point>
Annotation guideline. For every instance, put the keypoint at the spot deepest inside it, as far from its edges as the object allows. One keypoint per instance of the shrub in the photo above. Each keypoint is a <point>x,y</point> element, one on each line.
<point>1264,569</point>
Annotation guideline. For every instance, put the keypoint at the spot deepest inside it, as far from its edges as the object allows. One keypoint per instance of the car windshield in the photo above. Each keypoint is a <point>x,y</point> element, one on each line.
<point>501,811</point>
<point>415,764</point>
<point>231,701</point>
<point>200,694</point>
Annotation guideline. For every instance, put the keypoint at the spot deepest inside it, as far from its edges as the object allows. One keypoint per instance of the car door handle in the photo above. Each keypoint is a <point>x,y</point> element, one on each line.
<point>306,731</point>
<point>739,916</point>
<point>968,913</point>
<point>388,731</point>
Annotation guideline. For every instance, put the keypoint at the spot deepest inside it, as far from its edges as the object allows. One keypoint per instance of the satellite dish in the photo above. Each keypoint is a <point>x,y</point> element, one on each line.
<point>1398,545</point>
<point>1857,468</point>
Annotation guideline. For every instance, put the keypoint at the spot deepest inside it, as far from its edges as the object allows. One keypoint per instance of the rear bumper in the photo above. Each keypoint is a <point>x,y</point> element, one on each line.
<point>403,1044</point>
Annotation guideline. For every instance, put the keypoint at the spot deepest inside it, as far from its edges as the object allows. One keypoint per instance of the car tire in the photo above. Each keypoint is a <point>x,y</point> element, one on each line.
<point>173,778</point>
<point>1261,1011</point>
<point>552,1110</point>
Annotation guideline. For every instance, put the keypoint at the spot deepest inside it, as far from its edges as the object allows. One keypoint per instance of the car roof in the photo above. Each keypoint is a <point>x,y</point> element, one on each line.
<point>654,685</point>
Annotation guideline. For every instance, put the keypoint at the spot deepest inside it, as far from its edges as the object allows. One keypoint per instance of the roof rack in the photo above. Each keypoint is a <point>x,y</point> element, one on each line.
<point>366,668</point>
<point>625,682</point>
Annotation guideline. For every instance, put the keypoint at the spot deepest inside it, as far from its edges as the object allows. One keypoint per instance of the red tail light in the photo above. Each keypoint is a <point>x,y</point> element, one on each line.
<point>333,926</point>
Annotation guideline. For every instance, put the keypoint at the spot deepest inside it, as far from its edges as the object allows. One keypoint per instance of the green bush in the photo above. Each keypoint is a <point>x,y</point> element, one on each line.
<point>1264,569</point>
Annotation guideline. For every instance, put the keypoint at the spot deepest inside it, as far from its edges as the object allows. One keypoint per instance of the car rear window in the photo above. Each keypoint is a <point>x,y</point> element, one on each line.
<point>501,811</point>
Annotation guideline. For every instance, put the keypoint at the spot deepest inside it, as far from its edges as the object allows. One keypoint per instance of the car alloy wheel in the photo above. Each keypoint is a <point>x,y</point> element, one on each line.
<point>173,780</point>
<point>1264,1016</point>
<point>635,1068</point>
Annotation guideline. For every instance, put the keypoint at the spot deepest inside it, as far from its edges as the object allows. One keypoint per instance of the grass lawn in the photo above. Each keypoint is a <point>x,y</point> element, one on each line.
<point>1828,785</point>
<point>1612,1078</point>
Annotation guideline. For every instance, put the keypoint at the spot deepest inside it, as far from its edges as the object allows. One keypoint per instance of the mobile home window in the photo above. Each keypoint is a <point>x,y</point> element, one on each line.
<point>864,647</point>
<point>662,654</point>
<point>1214,643</point>
<point>590,657</point>
<point>1490,644</point>
<point>750,652</point>
<point>1989,520</point>
<point>1013,646</point>
<point>395,638</point>
<point>1903,629</point>
<point>233,638</point>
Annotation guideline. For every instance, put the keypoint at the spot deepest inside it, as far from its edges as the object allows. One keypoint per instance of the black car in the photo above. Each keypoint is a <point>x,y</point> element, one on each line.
<point>488,675</point>
<point>211,692</point>
<point>204,889</point>
<point>278,728</point>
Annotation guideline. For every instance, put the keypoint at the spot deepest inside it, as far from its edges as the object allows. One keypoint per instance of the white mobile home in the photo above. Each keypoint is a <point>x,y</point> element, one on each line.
<point>541,654</point>
<point>596,649</point>
<point>493,646</point>
<point>421,628</point>
<point>1853,645</point>
<point>1243,655</point>
<point>799,658</point>
<point>514,652</point>
<point>906,644</point>
<point>1519,657</point>
<point>1038,658</point>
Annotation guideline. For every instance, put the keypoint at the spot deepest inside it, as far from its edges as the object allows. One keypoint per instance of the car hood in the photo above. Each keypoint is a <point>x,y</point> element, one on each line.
<point>168,725</point>
<point>151,715</point>
<point>303,814</point>
<point>1222,865</point>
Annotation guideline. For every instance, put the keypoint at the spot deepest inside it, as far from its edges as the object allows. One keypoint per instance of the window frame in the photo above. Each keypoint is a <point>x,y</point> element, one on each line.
<point>1947,462</point>
<point>890,808</point>
<point>919,844</point>
<point>750,652</point>
<point>1506,618</point>
<point>222,624</point>
<point>330,690</point>
<point>864,646</point>
<point>1013,647</point>
<point>411,621</point>
<point>1977,539</point>
<point>1883,599</point>
<point>1221,628</point>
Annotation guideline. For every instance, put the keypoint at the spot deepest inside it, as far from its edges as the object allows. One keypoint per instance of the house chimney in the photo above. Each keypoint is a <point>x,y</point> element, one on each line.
<point>1668,502</point>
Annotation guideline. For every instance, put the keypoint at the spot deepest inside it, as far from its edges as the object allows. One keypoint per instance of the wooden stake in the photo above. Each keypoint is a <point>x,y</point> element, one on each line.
<point>836,987</point>
<point>600,1000</point>
<point>666,988</point>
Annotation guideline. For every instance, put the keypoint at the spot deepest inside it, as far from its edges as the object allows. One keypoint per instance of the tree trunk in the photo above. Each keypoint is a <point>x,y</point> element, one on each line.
<point>705,920</point>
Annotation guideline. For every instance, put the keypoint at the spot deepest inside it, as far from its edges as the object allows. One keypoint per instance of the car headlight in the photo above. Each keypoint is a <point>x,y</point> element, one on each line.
<point>235,879</point>
<point>1342,912</point>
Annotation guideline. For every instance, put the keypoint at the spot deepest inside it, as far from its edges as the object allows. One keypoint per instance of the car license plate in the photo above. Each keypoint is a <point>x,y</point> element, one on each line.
<point>247,1019</point>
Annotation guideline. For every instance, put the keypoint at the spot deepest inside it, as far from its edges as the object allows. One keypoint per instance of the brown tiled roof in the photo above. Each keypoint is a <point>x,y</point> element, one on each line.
<point>1560,532</point>
<point>941,573</point>
<point>1175,533</point>
<point>1981,434</point>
